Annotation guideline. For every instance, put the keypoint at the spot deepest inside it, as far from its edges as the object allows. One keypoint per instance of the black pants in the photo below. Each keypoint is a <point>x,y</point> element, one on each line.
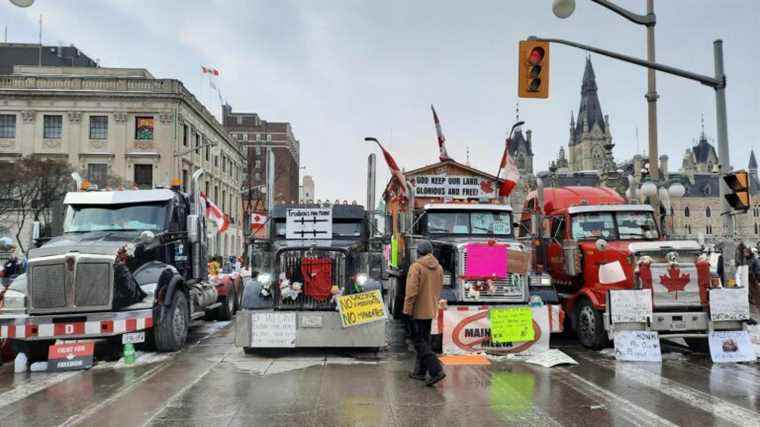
<point>427,362</point>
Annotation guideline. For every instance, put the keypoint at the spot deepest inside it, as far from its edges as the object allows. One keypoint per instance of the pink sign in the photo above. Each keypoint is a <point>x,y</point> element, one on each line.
<point>486,261</point>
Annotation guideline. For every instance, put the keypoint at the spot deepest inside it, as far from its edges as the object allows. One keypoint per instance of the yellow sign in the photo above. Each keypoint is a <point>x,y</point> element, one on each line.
<point>513,324</point>
<point>357,309</point>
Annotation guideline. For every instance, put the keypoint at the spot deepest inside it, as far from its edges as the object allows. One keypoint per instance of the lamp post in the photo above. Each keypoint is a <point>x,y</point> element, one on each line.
<point>564,8</point>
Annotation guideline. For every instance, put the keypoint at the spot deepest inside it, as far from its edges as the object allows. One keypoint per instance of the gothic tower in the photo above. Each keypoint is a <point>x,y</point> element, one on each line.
<point>590,130</point>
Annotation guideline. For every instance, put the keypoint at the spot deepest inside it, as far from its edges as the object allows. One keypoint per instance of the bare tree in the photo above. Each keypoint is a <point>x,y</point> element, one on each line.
<point>45,183</point>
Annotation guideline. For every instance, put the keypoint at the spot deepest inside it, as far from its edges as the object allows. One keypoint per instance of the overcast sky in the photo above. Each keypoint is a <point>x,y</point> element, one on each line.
<point>340,70</point>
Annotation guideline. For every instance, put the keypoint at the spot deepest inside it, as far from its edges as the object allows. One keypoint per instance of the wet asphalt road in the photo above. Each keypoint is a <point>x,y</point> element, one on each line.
<point>213,383</point>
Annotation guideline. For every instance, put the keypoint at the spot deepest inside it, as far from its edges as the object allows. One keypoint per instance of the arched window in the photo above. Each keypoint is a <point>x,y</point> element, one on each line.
<point>707,229</point>
<point>708,213</point>
<point>755,228</point>
<point>686,212</point>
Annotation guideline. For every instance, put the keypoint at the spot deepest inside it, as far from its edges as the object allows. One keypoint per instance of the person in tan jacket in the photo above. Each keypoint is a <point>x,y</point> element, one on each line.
<point>423,292</point>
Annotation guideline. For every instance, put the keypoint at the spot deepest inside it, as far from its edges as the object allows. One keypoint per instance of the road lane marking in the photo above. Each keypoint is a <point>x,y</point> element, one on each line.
<point>614,403</point>
<point>728,411</point>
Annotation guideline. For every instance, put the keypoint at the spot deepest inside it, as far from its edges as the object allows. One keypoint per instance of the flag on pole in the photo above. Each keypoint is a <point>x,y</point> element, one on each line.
<point>215,215</point>
<point>508,172</point>
<point>258,221</point>
<point>393,166</point>
<point>209,70</point>
<point>443,155</point>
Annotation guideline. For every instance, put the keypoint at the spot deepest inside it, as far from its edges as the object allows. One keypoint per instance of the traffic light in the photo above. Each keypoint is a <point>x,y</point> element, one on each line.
<point>533,69</point>
<point>738,182</point>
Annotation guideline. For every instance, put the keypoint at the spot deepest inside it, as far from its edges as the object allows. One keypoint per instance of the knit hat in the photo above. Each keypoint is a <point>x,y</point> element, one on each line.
<point>424,247</point>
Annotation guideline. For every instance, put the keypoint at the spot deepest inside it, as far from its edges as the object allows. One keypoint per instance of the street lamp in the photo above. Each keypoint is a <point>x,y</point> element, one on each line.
<point>649,189</point>
<point>563,8</point>
<point>22,3</point>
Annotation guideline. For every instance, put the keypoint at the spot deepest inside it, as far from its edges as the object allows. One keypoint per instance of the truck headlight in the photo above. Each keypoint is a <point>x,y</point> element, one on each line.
<point>13,300</point>
<point>361,279</point>
<point>264,278</point>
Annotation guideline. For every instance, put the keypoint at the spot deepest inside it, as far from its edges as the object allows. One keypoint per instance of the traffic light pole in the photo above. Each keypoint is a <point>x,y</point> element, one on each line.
<point>718,83</point>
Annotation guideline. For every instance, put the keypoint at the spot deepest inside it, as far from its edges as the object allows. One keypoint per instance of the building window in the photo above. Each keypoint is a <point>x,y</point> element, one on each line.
<point>224,200</point>
<point>207,150</point>
<point>755,228</point>
<point>258,137</point>
<point>185,134</point>
<point>52,127</point>
<point>184,181</point>
<point>144,127</point>
<point>686,212</point>
<point>216,161</point>
<point>269,137</point>
<point>208,185</point>
<point>96,173</point>
<point>98,127</point>
<point>216,193</point>
<point>7,125</point>
<point>258,151</point>
<point>224,163</point>
<point>708,213</point>
<point>197,143</point>
<point>258,164</point>
<point>144,176</point>
<point>258,176</point>
<point>245,137</point>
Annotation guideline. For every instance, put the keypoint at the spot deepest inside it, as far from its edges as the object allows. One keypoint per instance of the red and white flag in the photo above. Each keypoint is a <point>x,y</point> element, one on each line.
<point>209,70</point>
<point>392,165</point>
<point>215,215</point>
<point>258,221</point>
<point>443,155</point>
<point>507,172</point>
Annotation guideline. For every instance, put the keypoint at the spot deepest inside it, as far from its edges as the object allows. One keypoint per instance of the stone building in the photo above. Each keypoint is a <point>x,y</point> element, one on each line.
<point>124,123</point>
<point>307,190</point>
<point>590,130</point>
<point>258,135</point>
<point>521,151</point>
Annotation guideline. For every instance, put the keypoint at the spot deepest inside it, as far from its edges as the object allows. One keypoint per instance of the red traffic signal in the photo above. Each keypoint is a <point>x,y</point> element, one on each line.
<point>533,69</point>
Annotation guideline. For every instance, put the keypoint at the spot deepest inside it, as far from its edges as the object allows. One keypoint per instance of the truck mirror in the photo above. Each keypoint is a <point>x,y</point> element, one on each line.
<point>192,228</point>
<point>601,244</point>
<point>36,230</point>
<point>147,236</point>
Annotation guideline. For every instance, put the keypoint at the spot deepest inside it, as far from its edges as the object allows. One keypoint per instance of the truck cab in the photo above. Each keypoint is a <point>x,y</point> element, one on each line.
<point>462,234</point>
<point>594,242</point>
<point>299,275</point>
<point>127,261</point>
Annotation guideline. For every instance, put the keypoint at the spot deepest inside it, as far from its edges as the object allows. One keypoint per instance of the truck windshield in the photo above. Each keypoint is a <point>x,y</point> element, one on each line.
<point>86,218</point>
<point>487,223</point>
<point>614,226</point>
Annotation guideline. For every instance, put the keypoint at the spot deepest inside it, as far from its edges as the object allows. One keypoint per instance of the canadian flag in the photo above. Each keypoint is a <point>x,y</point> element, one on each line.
<point>508,172</point>
<point>257,221</point>
<point>392,165</point>
<point>209,70</point>
<point>215,214</point>
<point>443,156</point>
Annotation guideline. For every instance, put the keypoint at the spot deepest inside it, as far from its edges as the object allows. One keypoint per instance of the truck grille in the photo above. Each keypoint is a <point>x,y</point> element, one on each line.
<point>291,263</point>
<point>93,284</point>
<point>49,288</point>
<point>52,288</point>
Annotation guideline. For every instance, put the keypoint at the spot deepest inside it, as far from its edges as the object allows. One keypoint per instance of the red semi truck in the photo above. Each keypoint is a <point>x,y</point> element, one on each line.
<point>591,241</point>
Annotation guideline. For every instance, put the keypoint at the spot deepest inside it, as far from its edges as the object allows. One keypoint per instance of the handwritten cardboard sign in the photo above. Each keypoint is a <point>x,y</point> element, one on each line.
<point>730,347</point>
<point>308,224</point>
<point>638,346</point>
<point>513,324</point>
<point>273,330</point>
<point>729,304</point>
<point>484,261</point>
<point>357,309</point>
<point>630,305</point>
<point>71,356</point>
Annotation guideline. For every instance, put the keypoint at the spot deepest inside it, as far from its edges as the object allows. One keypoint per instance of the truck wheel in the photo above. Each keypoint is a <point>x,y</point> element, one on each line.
<point>698,345</point>
<point>227,309</point>
<point>590,326</point>
<point>172,324</point>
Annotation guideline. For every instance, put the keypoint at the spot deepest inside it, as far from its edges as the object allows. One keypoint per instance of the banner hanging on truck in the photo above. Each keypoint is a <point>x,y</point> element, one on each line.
<point>454,186</point>
<point>467,329</point>
<point>71,356</point>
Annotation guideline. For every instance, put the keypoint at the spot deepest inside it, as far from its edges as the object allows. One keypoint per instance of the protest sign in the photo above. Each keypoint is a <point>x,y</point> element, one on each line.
<point>513,324</point>
<point>630,305</point>
<point>729,304</point>
<point>551,358</point>
<point>357,309</point>
<point>638,346</point>
<point>731,346</point>
<point>273,330</point>
<point>70,356</point>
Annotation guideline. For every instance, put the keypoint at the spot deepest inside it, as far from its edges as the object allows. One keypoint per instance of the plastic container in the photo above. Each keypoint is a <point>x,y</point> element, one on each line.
<point>129,354</point>
<point>19,365</point>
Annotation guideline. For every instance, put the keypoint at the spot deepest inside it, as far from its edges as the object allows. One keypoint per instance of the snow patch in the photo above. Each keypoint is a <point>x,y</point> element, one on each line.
<point>141,358</point>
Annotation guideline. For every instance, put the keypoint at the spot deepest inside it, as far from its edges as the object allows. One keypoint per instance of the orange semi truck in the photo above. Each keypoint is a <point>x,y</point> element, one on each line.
<point>590,241</point>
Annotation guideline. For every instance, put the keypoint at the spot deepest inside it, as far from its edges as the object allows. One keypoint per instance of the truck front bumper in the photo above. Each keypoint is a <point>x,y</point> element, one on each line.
<point>316,329</point>
<point>74,326</point>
